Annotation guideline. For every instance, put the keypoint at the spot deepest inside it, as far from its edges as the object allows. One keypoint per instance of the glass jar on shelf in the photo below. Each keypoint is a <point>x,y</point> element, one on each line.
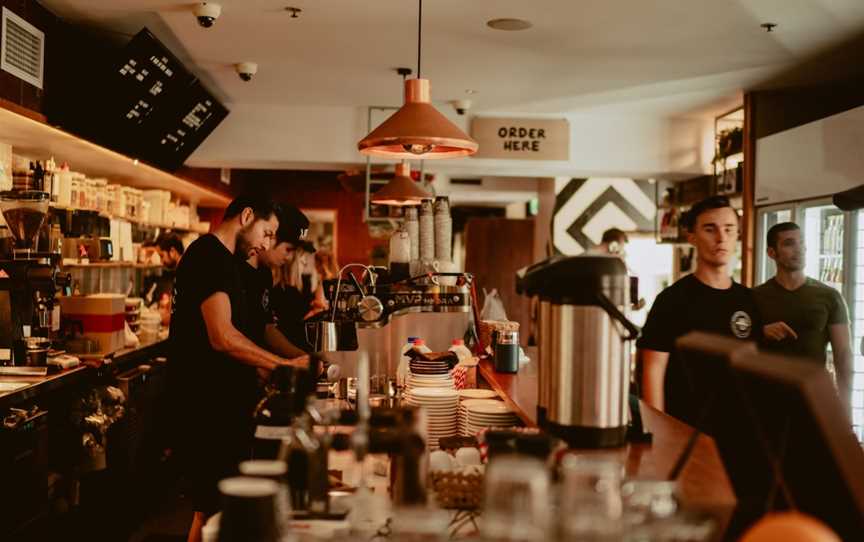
<point>76,190</point>
<point>111,199</point>
<point>122,197</point>
<point>136,204</point>
<point>100,195</point>
<point>145,212</point>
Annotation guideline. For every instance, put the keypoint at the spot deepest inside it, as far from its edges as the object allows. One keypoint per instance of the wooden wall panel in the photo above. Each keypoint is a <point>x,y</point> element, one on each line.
<point>494,249</point>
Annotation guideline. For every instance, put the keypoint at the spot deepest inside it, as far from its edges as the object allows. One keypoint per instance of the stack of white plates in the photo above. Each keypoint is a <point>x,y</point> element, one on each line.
<point>478,414</point>
<point>477,394</point>
<point>440,405</point>
<point>430,381</point>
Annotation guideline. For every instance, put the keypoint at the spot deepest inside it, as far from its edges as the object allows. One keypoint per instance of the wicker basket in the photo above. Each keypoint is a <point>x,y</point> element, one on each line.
<point>456,490</point>
<point>486,327</point>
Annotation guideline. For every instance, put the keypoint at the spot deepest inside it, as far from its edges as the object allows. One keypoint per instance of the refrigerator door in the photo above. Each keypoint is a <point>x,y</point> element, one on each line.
<point>823,227</point>
<point>765,218</point>
<point>856,308</point>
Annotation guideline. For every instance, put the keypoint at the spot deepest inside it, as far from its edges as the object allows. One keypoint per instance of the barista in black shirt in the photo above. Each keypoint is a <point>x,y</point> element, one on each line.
<point>170,248</point>
<point>212,362</point>
<point>260,269</point>
<point>707,300</point>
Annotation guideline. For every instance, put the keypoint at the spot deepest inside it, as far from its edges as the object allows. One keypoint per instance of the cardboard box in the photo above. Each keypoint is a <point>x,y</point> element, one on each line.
<point>102,317</point>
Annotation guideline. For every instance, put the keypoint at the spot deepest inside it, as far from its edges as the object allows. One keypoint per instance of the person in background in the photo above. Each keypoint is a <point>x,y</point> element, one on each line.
<point>613,242</point>
<point>213,366</point>
<point>803,315</point>
<point>325,264</point>
<point>707,300</point>
<point>261,271</point>
<point>158,294</point>
<point>295,289</point>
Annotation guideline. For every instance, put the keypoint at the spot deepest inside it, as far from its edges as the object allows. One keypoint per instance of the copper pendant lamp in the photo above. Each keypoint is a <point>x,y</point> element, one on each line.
<point>401,190</point>
<point>417,131</point>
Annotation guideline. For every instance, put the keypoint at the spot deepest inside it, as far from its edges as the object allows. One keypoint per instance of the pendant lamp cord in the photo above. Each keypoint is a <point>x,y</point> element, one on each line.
<point>419,37</point>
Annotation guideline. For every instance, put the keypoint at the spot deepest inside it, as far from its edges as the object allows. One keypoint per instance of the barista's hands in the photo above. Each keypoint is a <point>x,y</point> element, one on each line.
<point>300,361</point>
<point>778,331</point>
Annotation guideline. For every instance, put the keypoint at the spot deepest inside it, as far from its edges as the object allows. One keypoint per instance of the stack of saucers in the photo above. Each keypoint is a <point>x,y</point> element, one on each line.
<point>479,414</point>
<point>440,405</point>
<point>444,380</point>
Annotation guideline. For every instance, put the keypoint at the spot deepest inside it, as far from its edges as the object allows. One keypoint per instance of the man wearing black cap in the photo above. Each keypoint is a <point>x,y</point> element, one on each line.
<point>258,272</point>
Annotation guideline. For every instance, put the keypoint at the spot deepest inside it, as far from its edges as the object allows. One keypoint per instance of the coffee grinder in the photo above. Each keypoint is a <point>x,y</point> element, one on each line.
<point>28,279</point>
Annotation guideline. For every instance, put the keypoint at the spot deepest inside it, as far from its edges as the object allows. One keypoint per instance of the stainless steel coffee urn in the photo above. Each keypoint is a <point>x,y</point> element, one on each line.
<point>584,351</point>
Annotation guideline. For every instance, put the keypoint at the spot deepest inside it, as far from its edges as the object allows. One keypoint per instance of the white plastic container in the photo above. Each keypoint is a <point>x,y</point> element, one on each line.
<point>420,345</point>
<point>462,352</point>
<point>63,186</point>
<point>402,368</point>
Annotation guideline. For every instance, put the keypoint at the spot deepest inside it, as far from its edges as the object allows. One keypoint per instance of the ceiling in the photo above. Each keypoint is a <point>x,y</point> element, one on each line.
<point>675,57</point>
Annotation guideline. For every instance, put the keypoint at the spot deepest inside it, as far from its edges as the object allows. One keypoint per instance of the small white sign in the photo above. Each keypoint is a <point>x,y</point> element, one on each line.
<point>522,139</point>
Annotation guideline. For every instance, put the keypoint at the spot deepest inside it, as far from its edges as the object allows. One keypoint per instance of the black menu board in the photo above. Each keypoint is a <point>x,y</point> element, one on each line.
<point>140,101</point>
<point>181,126</point>
<point>146,78</point>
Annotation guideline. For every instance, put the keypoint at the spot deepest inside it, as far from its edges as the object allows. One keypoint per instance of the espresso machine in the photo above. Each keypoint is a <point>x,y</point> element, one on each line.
<point>29,280</point>
<point>584,347</point>
<point>376,318</point>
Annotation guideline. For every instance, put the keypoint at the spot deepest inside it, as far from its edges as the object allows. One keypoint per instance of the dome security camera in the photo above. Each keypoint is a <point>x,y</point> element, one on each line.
<point>246,70</point>
<point>207,13</point>
<point>461,106</point>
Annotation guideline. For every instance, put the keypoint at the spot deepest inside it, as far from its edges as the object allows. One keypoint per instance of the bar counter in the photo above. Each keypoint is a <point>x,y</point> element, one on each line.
<point>703,484</point>
<point>87,372</point>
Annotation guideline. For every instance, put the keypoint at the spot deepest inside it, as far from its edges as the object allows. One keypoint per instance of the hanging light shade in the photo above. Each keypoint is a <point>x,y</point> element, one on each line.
<point>401,190</point>
<point>417,131</point>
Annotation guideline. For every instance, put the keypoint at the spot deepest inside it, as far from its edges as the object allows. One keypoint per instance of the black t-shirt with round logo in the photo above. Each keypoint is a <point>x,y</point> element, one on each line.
<point>690,305</point>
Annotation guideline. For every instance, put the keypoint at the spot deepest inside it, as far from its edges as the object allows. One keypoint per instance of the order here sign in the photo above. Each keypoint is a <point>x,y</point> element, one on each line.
<point>522,139</point>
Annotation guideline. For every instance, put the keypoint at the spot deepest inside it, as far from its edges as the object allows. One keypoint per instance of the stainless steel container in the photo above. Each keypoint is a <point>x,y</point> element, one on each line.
<point>584,351</point>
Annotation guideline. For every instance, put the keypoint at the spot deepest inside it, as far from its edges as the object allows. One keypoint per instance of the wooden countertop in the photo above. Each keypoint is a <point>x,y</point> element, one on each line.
<point>703,483</point>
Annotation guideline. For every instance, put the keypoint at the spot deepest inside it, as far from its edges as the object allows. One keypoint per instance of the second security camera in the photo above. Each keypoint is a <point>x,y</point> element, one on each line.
<point>207,13</point>
<point>461,106</point>
<point>246,70</point>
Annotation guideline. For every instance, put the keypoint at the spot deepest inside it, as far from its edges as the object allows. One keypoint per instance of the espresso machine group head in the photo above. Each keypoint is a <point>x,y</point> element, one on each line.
<point>28,278</point>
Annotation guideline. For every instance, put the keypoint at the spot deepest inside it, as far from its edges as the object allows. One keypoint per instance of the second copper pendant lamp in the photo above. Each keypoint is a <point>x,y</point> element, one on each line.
<point>417,131</point>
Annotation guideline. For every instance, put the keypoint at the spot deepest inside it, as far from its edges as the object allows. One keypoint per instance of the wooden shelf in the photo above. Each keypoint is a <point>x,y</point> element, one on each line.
<point>41,141</point>
<point>133,221</point>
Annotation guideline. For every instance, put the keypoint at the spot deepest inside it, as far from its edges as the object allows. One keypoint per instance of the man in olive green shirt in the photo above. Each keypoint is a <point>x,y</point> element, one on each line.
<point>803,315</point>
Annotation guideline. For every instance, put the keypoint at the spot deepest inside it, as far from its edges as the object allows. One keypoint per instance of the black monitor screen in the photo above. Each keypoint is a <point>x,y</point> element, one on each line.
<point>139,99</point>
<point>181,126</point>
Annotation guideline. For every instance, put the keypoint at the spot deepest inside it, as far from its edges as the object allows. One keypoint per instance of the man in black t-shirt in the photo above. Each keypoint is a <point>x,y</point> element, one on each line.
<point>212,362</point>
<point>259,270</point>
<point>159,294</point>
<point>706,300</point>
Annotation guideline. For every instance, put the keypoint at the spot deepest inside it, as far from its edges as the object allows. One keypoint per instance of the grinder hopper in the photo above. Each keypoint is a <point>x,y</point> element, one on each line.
<point>25,213</point>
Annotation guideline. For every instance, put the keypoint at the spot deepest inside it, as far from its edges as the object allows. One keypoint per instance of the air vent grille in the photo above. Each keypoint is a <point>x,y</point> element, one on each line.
<point>23,49</point>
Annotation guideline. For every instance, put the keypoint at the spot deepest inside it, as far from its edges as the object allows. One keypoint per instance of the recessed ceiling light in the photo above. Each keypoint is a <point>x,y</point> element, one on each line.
<point>509,24</point>
<point>470,91</point>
